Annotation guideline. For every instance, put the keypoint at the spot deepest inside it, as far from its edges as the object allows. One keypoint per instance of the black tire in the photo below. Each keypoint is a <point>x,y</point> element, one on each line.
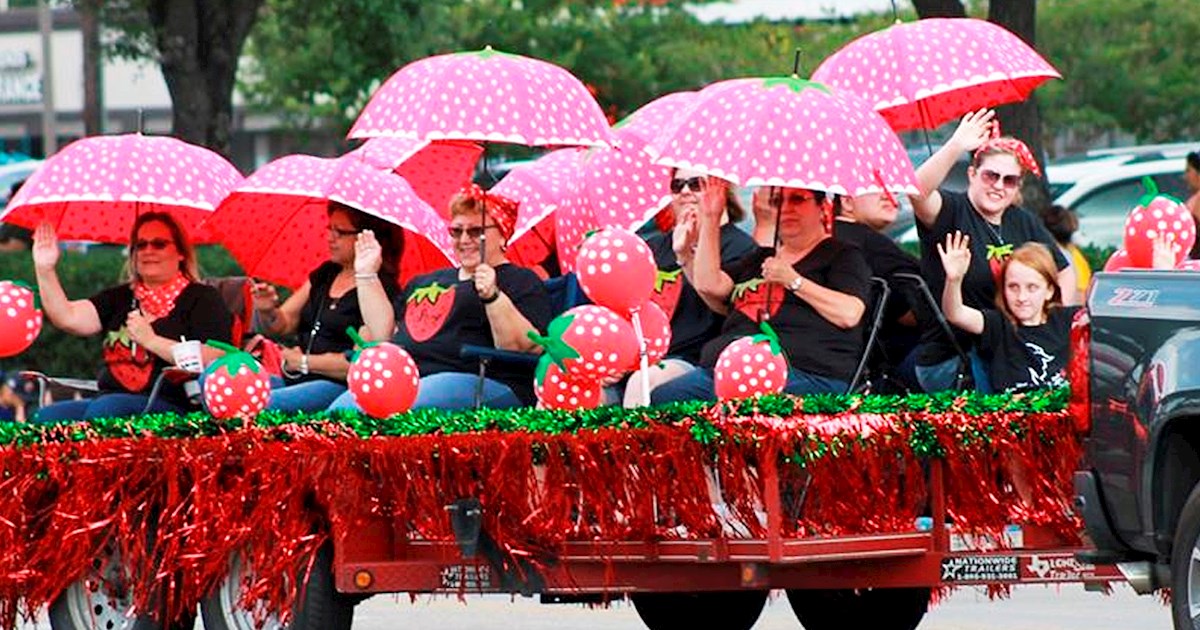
<point>96,602</point>
<point>1185,571</point>
<point>319,607</point>
<point>719,610</point>
<point>875,608</point>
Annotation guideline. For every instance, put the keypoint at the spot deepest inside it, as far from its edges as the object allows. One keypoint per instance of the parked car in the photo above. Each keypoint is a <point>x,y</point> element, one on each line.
<point>13,173</point>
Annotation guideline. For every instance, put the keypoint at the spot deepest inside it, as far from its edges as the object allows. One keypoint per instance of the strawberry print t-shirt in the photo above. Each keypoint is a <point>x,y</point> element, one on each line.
<point>199,314</point>
<point>990,246</point>
<point>437,314</point>
<point>810,342</point>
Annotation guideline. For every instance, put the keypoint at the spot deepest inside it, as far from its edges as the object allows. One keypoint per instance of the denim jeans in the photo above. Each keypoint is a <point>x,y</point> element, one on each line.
<point>698,385</point>
<point>940,377</point>
<point>313,395</point>
<point>449,390</point>
<point>104,406</point>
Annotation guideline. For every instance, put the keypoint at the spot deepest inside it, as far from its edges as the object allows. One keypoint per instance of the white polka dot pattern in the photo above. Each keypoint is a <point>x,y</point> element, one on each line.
<point>604,340</point>
<point>383,380</point>
<point>242,394</point>
<point>656,329</point>
<point>94,188</point>
<point>921,74</point>
<point>658,117</point>
<point>783,131</point>
<point>747,368</point>
<point>486,96</point>
<point>1161,215</point>
<point>558,391</point>
<point>274,223</point>
<point>20,320</point>
<point>435,170</point>
<point>621,188</point>
<point>616,269</point>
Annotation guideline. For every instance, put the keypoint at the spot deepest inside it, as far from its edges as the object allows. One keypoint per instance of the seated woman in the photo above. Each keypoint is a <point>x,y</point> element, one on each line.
<point>163,302</point>
<point>486,301</point>
<point>692,322</point>
<point>323,307</point>
<point>812,288</point>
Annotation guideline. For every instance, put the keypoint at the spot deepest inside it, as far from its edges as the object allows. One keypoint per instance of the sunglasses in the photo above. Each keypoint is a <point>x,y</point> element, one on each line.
<point>157,244</point>
<point>990,178</point>
<point>694,184</point>
<point>340,233</point>
<point>472,232</point>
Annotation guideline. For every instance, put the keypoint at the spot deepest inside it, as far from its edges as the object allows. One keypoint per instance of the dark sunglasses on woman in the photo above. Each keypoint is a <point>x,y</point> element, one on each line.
<point>695,184</point>
<point>990,178</point>
<point>157,244</point>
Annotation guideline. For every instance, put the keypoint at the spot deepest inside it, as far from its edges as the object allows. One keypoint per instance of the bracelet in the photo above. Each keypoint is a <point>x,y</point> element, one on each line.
<point>304,365</point>
<point>495,296</point>
<point>794,285</point>
<point>366,276</point>
<point>283,367</point>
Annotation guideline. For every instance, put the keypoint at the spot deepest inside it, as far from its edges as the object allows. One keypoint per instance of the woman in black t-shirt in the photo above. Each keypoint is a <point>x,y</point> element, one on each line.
<point>323,308</point>
<point>486,301</point>
<point>1027,338</point>
<point>812,288</point>
<point>142,320</point>
<point>989,213</point>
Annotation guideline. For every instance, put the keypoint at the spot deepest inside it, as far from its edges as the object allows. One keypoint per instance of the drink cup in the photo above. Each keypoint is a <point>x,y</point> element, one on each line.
<point>187,356</point>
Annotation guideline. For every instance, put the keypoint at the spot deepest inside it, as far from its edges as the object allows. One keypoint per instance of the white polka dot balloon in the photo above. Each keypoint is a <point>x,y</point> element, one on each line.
<point>748,368</point>
<point>383,380</point>
<point>20,319</point>
<point>1159,216</point>
<point>236,386</point>
<point>616,269</point>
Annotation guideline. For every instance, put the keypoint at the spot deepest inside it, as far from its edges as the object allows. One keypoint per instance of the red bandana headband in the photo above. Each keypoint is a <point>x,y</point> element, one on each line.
<point>1010,145</point>
<point>500,209</point>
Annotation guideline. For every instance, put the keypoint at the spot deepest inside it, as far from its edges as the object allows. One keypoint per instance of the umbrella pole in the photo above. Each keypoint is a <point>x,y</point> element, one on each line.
<point>776,199</point>
<point>643,360</point>
<point>483,213</point>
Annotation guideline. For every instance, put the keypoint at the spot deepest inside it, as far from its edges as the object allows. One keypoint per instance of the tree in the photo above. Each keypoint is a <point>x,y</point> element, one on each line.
<point>197,44</point>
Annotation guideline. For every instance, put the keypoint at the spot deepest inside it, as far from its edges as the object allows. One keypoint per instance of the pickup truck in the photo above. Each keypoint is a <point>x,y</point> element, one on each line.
<point>1138,488</point>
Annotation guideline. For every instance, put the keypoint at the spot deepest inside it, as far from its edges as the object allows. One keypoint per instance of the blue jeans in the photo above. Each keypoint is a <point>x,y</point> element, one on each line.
<point>104,406</point>
<point>698,385</point>
<point>448,390</point>
<point>310,396</point>
<point>940,377</point>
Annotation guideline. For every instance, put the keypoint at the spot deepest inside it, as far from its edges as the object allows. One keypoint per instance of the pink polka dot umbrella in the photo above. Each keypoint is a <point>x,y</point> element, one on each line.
<point>435,170</point>
<point>486,96</point>
<point>542,189</point>
<point>921,74</point>
<point>94,188</point>
<point>786,131</point>
<point>275,223</point>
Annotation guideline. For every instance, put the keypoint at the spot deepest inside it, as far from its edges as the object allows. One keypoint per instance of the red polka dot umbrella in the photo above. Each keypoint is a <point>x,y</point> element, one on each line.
<point>786,131</point>
<point>275,223</point>
<point>94,188</point>
<point>921,74</point>
<point>485,96</point>
<point>542,188</point>
<point>436,171</point>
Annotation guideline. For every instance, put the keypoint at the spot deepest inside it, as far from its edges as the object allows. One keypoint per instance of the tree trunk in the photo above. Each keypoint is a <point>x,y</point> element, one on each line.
<point>200,42</point>
<point>1023,120</point>
<point>93,78</point>
<point>941,8</point>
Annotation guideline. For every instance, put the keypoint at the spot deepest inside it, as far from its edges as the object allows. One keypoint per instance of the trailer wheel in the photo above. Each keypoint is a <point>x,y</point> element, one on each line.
<point>319,607</point>
<point>876,608</point>
<point>100,600</point>
<point>727,610</point>
<point>1185,564</point>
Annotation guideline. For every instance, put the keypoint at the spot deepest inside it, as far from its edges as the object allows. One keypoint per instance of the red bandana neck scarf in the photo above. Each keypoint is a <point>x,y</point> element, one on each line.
<point>157,302</point>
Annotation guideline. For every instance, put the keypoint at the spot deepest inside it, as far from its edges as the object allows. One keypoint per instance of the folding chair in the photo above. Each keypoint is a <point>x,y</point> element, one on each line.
<point>964,379</point>
<point>876,307</point>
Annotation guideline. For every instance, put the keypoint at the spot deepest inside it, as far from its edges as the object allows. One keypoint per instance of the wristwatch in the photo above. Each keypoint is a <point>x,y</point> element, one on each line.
<point>794,285</point>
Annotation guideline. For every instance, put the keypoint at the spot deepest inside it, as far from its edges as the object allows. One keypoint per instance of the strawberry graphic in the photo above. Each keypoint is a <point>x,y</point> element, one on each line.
<point>131,367</point>
<point>383,378</point>
<point>753,297</point>
<point>589,343</point>
<point>235,385</point>
<point>667,287</point>
<point>996,255</point>
<point>556,391</point>
<point>427,309</point>
<point>20,318</point>
<point>751,366</point>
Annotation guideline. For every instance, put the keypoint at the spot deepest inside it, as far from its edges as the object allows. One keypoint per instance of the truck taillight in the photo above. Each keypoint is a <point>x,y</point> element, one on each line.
<point>1077,372</point>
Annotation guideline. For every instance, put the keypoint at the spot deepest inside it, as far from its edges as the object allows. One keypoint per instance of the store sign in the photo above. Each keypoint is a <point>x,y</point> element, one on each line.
<point>20,79</point>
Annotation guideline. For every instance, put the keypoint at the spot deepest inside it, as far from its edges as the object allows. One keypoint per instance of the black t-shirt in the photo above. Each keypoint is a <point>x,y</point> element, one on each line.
<point>990,247</point>
<point>437,314</point>
<point>1024,357</point>
<point>810,342</point>
<point>324,319</point>
<point>692,322</point>
<point>199,314</point>
<point>886,259</point>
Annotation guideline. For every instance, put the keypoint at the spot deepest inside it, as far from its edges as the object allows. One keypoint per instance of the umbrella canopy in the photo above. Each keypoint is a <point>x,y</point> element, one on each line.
<point>541,188</point>
<point>921,74</point>
<point>658,117</point>
<point>435,170</point>
<point>786,131</point>
<point>275,222</point>
<point>95,187</point>
<point>486,96</point>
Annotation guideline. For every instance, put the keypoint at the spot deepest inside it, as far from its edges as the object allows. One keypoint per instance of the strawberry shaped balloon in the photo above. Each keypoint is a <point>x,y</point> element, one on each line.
<point>1154,216</point>
<point>555,391</point>
<point>235,385</point>
<point>656,329</point>
<point>383,378</point>
<point>20,318</point>
<point>1118,261</point>
<point>616,269</point>
<point>589,343</point>
<point>751,366</point>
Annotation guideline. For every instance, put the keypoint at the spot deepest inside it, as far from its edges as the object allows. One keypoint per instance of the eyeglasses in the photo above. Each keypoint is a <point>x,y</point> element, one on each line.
<point>471,232</point>
<point>990,178</point>
<point>157,244</point>
<point>694,184</point>
<point>340,233</point>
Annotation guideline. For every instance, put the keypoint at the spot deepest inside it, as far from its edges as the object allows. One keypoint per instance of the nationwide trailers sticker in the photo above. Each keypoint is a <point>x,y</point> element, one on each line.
<point>979,568</point>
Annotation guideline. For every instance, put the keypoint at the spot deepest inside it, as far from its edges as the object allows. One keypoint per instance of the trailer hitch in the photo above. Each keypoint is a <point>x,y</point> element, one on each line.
<point>517,572</point>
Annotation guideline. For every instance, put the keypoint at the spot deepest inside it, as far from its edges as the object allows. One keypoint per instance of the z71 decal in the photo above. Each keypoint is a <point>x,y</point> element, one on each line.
<point>1133,298</point>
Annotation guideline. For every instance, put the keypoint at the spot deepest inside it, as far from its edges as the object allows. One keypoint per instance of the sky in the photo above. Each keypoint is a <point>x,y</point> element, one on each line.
<point>741,10</point>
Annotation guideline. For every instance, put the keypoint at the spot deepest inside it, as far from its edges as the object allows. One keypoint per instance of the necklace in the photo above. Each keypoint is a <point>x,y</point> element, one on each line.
<point>994,230</point>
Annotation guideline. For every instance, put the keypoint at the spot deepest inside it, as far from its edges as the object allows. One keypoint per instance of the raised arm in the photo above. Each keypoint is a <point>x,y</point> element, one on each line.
<point>275,318</point>
<point>972,132</point>
<point>508,325</point>
<point>712,284</point>
<point>379,318</point>
<point>77,317</point>
<point>956,259</point>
